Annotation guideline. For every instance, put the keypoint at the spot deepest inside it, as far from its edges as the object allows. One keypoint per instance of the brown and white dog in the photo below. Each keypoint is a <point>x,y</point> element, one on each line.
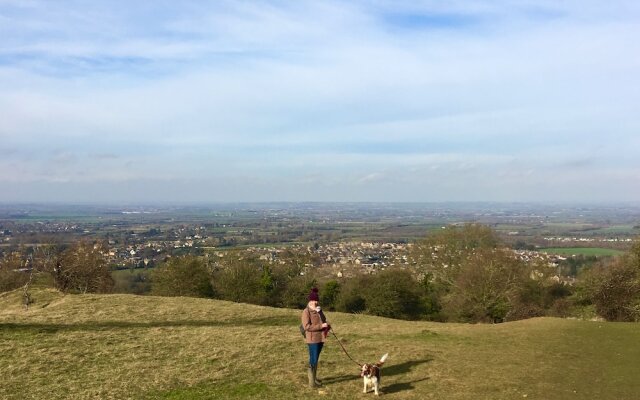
<point>371,375</point>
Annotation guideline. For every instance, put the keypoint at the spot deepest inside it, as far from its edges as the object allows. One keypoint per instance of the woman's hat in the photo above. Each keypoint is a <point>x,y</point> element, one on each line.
<point>314,295</point>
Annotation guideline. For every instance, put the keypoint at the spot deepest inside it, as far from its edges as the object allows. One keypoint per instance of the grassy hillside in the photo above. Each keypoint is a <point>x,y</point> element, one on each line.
<point>123,346</point>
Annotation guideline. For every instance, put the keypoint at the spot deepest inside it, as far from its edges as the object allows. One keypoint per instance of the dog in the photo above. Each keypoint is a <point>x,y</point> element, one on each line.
<point>371,375</point>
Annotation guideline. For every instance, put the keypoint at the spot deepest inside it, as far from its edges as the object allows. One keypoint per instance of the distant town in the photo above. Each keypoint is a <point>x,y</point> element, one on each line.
<point>340,238</point>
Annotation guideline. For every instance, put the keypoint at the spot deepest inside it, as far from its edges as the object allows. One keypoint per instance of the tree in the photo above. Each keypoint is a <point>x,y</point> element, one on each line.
<point>486,287</point>
<point>633,256</point>
<point>614,290</point>
<point>293,283</point>
<point>42,259</point>
<point>394,293</point>
<point>441,254</point>
<point>182,276</point>
<point>352,294</point>
<point>296,292</point>
<point>329,295</point>
<point>82,268</point>
<point>242,278</point>
<point>431,299</point>
<point>440,258</point>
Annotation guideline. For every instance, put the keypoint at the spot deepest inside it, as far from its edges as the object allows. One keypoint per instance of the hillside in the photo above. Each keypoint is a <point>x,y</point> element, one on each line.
<point>124,346</point>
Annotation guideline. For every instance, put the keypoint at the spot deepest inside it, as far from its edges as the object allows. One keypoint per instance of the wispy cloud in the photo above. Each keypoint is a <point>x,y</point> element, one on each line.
<point>463,96</point>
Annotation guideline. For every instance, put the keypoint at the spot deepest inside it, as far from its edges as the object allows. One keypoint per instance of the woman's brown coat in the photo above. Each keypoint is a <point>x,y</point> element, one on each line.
<point>312,323</point>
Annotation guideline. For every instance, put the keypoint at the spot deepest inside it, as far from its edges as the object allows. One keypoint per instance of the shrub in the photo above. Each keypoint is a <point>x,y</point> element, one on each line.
<point>614,290</point>
<point>132,281</point>
<point>352,294</point>
<point>182,276</point>
<point>561,307</point>
<point>394,293</point>
<point>243,279</point>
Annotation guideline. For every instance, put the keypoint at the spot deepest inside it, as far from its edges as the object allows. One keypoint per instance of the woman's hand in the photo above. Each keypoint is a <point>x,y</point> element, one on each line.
<point>325,325</point>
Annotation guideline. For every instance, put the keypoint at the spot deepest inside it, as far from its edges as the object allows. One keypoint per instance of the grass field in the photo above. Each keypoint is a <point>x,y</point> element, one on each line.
<point>585,251</point>
<point>616,230</point>
<point>128,347</point>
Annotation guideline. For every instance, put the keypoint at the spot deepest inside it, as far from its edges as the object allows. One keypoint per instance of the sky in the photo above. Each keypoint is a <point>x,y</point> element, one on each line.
<point>361,101</point>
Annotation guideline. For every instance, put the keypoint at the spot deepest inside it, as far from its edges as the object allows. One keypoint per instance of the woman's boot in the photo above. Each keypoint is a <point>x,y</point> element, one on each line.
<point>312,377</point>
<point>315,378</point>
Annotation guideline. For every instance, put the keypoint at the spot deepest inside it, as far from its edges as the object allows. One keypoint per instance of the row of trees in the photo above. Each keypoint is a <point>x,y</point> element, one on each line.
<point>236,277</point>
<point>460,273</point>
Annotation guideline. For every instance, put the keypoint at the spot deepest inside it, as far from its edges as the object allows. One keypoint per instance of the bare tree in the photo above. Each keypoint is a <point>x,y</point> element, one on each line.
<point>441,255</point>
<point>614,289</point>
<point>41,260</point>
<point>83,268</point>
<point>487,286</point>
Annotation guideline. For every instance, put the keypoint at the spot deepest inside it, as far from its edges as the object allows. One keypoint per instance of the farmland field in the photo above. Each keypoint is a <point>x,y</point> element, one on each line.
<point>585,251</point>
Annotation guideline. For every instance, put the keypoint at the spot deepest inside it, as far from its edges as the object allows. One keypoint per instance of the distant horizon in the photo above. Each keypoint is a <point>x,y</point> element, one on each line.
<point>311,202</point>
<point>339,101</point>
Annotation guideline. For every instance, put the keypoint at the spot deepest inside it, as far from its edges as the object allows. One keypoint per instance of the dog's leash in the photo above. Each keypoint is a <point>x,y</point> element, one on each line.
<point>343,349</point>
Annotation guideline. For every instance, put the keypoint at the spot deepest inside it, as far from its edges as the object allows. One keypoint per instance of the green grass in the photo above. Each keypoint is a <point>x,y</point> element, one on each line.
<point>585,251</point>
<point>128,347</point>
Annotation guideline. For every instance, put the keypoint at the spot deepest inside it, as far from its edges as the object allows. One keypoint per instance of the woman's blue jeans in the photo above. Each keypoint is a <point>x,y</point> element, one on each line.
<point>314,353</point>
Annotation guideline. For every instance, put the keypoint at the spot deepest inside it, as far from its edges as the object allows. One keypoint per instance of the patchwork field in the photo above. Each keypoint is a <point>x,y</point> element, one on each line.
<point>135,347</point>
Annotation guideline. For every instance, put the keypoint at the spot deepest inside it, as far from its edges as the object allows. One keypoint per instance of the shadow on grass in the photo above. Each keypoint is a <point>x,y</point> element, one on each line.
<point>398,369</point>
<point>401,369</point>
<point>402,386</point>
<point>110,325</point>
<point>392,370</point>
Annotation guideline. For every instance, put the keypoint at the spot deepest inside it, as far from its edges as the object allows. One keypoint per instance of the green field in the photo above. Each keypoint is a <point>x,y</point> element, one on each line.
<point>128,347</point>
<point>616,230</point>
<point>585,251</point>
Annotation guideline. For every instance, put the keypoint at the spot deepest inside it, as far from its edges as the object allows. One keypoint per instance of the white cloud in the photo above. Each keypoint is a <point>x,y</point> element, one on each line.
<point>337,92</point>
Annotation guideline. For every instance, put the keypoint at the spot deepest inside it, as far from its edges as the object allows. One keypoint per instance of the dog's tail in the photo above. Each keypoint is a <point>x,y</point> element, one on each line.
<point>382,360</point>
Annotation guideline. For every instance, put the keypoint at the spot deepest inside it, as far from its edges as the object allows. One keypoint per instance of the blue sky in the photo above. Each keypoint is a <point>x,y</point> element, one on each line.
<point>194,101</point>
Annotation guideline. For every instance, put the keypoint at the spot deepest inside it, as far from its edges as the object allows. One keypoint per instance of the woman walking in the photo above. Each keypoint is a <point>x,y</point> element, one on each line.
<point>316,329</point>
